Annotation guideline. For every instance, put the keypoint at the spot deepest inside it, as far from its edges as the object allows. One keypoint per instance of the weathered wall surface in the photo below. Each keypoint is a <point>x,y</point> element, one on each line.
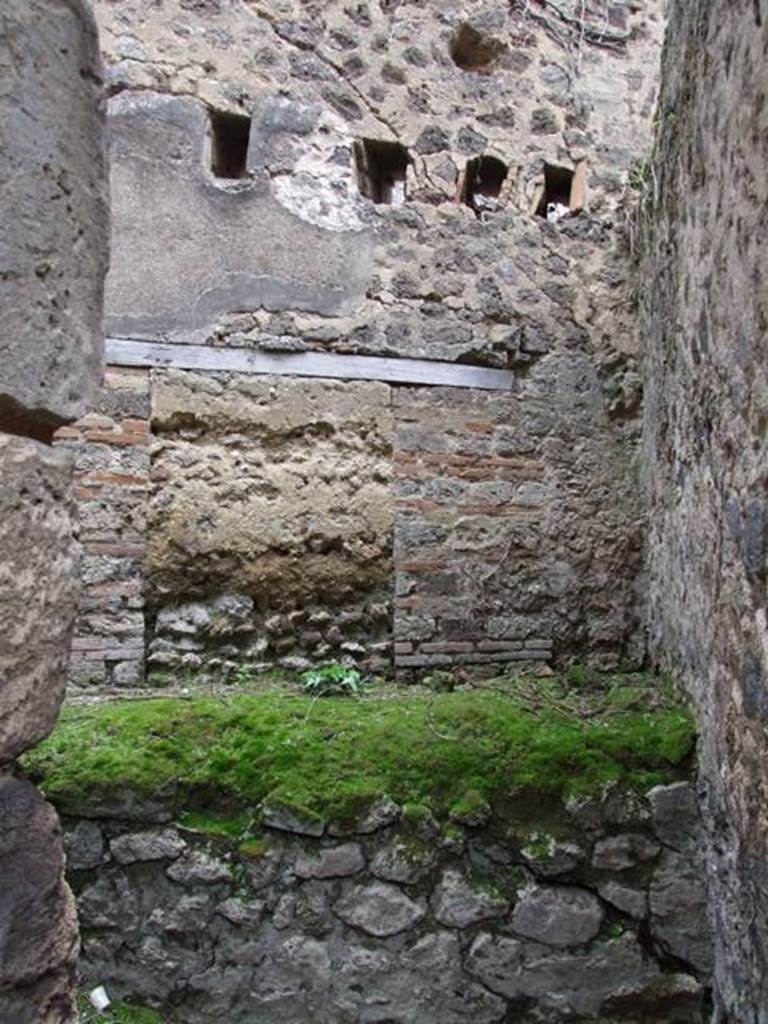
<point>38,587</point>
<point>271,504</point>
<point>53,183</point>
<point>217,247</point>
<point>110,447</point>
<point>395,919</point>
<point>705,311</point>
<point>315,78</point>
<point>52,265</point>
<point>511,536</point>
<point>289,256</point>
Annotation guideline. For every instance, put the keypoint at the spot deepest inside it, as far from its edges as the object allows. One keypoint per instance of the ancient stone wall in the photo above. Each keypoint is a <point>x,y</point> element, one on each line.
<point>110,450</point>
<point>705,310</point>
<point>373,180</point>
<point>53,255</point>
<point>590,911</point>
<point>271,504</point>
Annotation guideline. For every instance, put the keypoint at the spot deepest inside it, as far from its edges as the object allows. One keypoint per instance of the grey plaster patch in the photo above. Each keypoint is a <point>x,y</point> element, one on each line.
<point>239,248</point>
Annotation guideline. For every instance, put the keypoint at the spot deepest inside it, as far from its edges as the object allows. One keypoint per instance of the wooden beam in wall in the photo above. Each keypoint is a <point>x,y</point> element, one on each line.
<point>130,352</point>
<point>579,187</point>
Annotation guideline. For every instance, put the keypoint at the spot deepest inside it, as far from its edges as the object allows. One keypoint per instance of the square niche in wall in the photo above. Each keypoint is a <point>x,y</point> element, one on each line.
<point>564,190</point>
<point>381,170</point>
<point>483,182</point>
<point>229,137</point>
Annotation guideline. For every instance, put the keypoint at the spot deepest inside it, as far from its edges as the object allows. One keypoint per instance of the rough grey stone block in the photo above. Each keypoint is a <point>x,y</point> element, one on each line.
<point>38,583</point>
<point>380,814</point>
<point>199,869</point>
<point>618,853</point>
<point>109,902</point>
<point>263,870</point>
<point>190,914</point>
<point>630,901</point>
<point>53,206</point>
<point>38,928</point>
<point>334,862</point>
<point>676,817</point>
<point>399,861</point>
<point>548,858</point>
<point>85,847</point>
<point>288,819</point>
<point>245,912</point>
<point>457,904</point>
<point>140,846</point>
<point>678,902</point>
<point>562,916</point>
<point>379,909</point>
<point>581,981</point>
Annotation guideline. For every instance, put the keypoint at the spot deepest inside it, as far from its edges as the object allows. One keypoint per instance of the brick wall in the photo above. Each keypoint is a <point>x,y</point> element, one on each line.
<point>469,501</point>
<point>111,448</point>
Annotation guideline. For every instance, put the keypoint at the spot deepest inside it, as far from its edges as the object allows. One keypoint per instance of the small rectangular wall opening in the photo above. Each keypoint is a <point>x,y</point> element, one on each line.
<point>555,200</point>
<point>229,144</point>
<point>381,170</point>
<point>483,180</point>
<point>563,192</point>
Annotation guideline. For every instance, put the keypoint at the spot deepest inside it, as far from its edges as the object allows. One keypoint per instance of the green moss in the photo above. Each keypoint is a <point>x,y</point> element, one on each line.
<point>539,845</point>
<point>578,675</point>
<point>453,834</point>
<point>471,807</point>
<point>416,814</point>
<point>296,795</point>
<point>234,826</point>
<point>117,1013</point>
<point>253,849</point>
<point>329,757</point>
<point>490,889</point>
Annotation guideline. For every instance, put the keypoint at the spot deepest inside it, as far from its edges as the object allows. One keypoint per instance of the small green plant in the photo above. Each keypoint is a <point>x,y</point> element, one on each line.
<point>440,682</point>
<point>242,676</point>
<point>333,679</point>
<point>118,1013</point>
<point>640,172</point>
<point>579,675</point>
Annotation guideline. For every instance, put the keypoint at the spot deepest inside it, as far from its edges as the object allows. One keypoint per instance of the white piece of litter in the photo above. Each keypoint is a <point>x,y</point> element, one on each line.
<point>556,211</point>
<point>99,998</point>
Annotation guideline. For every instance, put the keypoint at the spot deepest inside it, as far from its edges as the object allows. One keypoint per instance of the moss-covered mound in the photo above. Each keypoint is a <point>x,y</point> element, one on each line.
<point>326,756</point>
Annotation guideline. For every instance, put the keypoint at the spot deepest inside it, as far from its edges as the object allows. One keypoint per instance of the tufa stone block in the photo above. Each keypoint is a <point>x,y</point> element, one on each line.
<point>38,585</point>
<point>53,206</point>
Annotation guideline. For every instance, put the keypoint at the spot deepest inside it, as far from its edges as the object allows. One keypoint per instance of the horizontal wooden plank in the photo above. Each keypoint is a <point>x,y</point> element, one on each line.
<point>131,352</point>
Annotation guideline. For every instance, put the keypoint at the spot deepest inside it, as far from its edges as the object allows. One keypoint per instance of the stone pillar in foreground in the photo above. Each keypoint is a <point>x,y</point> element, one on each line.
<point>53,258</point>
